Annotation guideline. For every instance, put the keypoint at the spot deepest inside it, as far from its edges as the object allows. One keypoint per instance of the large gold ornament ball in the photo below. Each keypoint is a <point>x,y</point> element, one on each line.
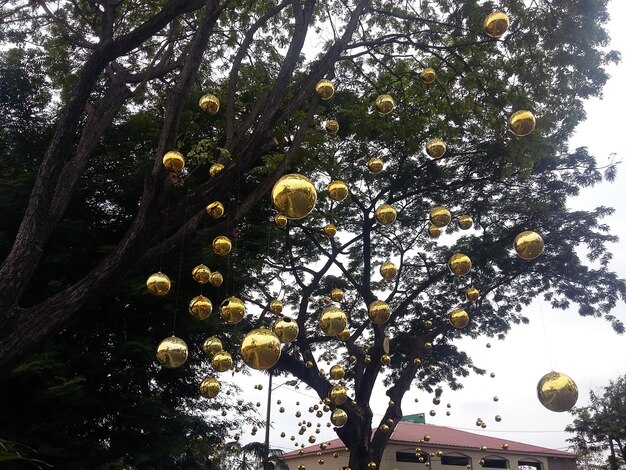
<point>472,294</point>
<point>338,395</point>
<point>325,89</point>
<point>172,352</point>
<point>158,284</point>
<point>459,318</point>
<point>222,245</point>
<point>330,230</point>
<point>200,307</point>
<point>210,104</point>
<point>333,321</point>
<point>339,418</point>
<point>174,161</point>
<point>496,24</point>
<point>280,220</point>
<point>388,270</point>
<point>379,312</point>
<point>386,214</point>
<point>459,264</point>
<point>521,123</point>
<point>336,294</point>
<point>260,349</point>
<point>337,372</point>
<point>201,274</point>
<point>434,231</point>
<point>215,169</point>
<point>440,216</point>
<point>375,165</point>
<point>216,279</point>
<point>528,245</point>
<point>436,148</point>
<point>286,329</point>
<point>557,392</point>
<point>385,104</point>
<point>465,221</point>
<point>232,310</point>
<point>344,335</point>
<point>276,307</point>
<point>337,190</point>
<point>332,126</point>
<point>294,196</point>
<point>222,361</point>
<point>428,75</point>
<point>211,346</point>
<point>210,387</point>
<point>215,209</point>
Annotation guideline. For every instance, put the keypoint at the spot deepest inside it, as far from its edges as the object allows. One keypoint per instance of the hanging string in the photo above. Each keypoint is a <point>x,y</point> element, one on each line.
<point>180,263</point>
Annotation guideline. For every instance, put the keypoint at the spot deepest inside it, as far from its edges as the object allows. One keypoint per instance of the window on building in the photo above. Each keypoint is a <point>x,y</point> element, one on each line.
<point>529,465</point>
<point>411,457</point>
<point>494,462</point>
<point>459,460</point>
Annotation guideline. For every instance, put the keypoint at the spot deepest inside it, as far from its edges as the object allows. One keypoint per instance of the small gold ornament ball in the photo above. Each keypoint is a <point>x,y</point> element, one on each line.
<point>201,274</point>
<point>498,418</point>
<point>385,359</point>
<point>325,89</point>
<point>158,284</point>
<point>528,245</point>
<point>386,214</point>
<point>472,294</point>
<point>260,349</point>
<point>339,418</point>
<point>215,169</point>
<point>312,439</point>
<point>210,104</point>
<point>210,387</point>
<point>459,264</point>
<point>385,104</point>
<point>211,346</point>
<point>232,310</point>
<point>294,196</point>
<point>557,392</point>
<point>337,295</point>
<point>286,329</point>
<point>337,372</point>
<point>459,318</point>
<point>333,321</point>
<point>174,161</point>
<point>337,190</point>
<point>521,123</point>
<point>216,279</point>
<point>215,209</point>
<point>321,461</point>
<point>367,359</point>
<point>308,365</point>
<point>465,221</point>
<point>436,148</point>
<point>332,126</point>
<point>388,270</point>
<point>330,230</point>
<point>276,307</point>
<point>426,438</point>
<point>428,75</point>
<point>375,165</point>
<point>434,231</point>
<point>222,245</point>
<point>222,361</point>
<point>428,345</point>
<point>200,307</point>
<point>344,335</point>
<point>172,352</point>
<point>379,312</point>
<point>280,220</point>
<point>440,216</point>
<point>496,24</point>
<point>371,466</point>
<point>301,467</point>
<point>384,428</point>
<point>505,446</point>
<point>338,395</point>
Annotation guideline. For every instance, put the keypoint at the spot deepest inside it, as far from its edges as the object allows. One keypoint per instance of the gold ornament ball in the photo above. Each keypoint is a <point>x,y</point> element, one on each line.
<point>215,169</point>
<point>385,104</point>
<point>385,359</point>
<point>222,361</point>
<point>337,190</point>
<point>158,284</point>
<point>440,216</point>
<point>210,104</point>
<point>367,359</point>
<point>286,329</point>
<point>330,230</point>
<point>498,418</point>
<point>337,295</point>
<point>333,321</point>
<point>280,220</point>
<point>528,245</point>
<point>232,310</point>
<point>210,387</point>
<point>216,279</point>
<point>459,264</point>
<point>332,126</point>
<point>465,221</point>
<point>521,123</point>
<point>436,148</point>
<point>260,349</point>
<point>312,439</point>
<point>308,365</point>
<point>379,312</point>
<point>338,395</point>
<point>386,214</point>
<point>172,352</point>
<point>174,161</point>
<point>496,24</point>
<point>472,294</point>
<point>201,274</point>
<point>337,372</point>
<point>294,196</point>
<point>222,245</point>
<point>384,428</point>
<point>428,75</point>
<point>371,466</point>
<point>459,318</point>
<point>388,270</point>
<point>200,307</point>
<point>276,307</point>
<point>215,209</point>
<point>375,165</point>
<point>325,89</point>
<point>434,231</point>
<point>557,392</point>
<point>211,346</point>
<point>505,446</point>
<point>344,335</point>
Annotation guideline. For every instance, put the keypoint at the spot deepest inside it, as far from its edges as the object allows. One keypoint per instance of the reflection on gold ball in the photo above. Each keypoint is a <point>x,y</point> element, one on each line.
<point>385,359</point>
<point>472,294</point>
<point>388,270</point>
<point>338,395</point>
<point>210,104</point>
<point>174,161</point>
<point>200,307</point>
<point>344,335</point>
<point>336,294</point>
<point>337,372</point>
<point>375,165</point>
<point>158,284</point>
<point>222,361</point>
<point>276,307</point>
<point>436,148</point>
<point>385,104</point>
<point>286,329</point>
<point>215,169</point>
<point>496,24</point>
<point>325,89</point>
<point>521,123</point>
<point>333,321</point>
<point>215,209</point>
<point>337,190</point>
<point>294,196</point>
<point>459,318</point>
<point>211,346</point>
<point>465,221</point>
<point>332,126</point>
<point>216,279</point>
<point>433,231</point>
<point>232,310</point>
<point>386,214</point>
<point>201,274</point>
<point>330,230</point>
<point>459,264</point>
<point>528,245</point>
<point>260,349</point>
<point>280,220</point>
<point>557,392</point>
<point>172,352</point>
<point>428,75</point>
<point>222,245</point>
<point>210,387</point>
<point>379,312</point>
<point>440,216</point>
